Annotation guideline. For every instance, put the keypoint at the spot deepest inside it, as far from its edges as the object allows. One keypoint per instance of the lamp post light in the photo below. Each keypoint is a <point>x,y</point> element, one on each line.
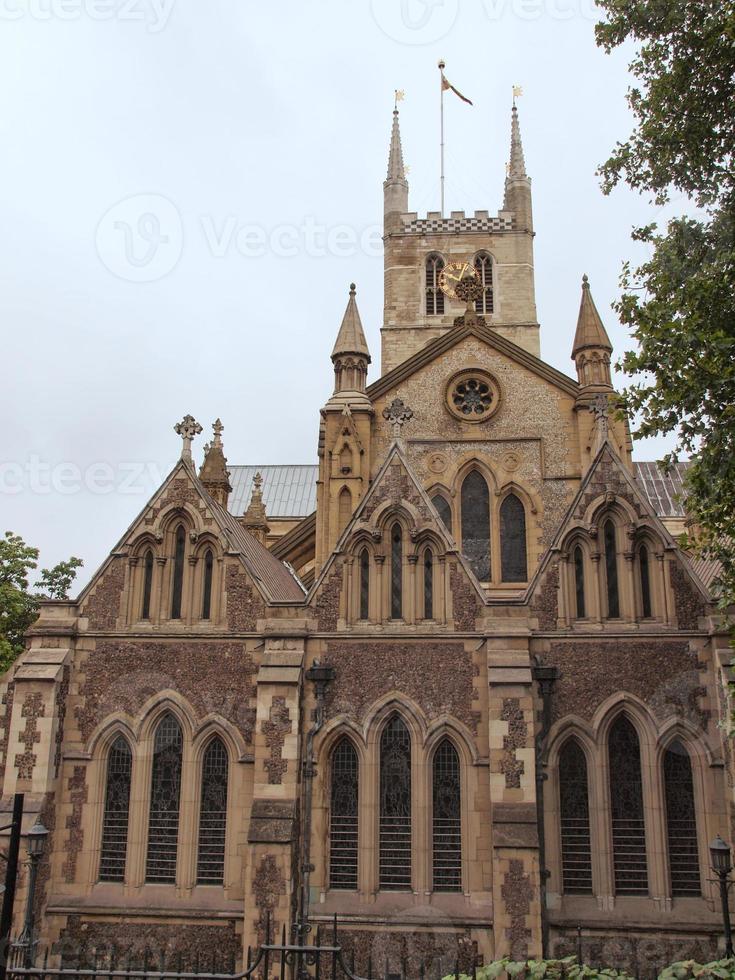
<point>36,843</point>
<point>721,857</point>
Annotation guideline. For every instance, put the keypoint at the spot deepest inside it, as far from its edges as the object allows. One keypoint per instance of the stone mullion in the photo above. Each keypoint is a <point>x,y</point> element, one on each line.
<point>140,792</point>
<point>410,611</point>
<point>369,815</point>
<point>189,613</point>
<point>603,880</point>
<point>186,854</point>
<point>599,587</point>
<point>667,590</point>
<point>351,614</point>
<point>440,589</point>
<point>379,599</point>
<point>420,819</point>
<point>627,589</point>
<point>159,590</point>
<point>565,593</point>
<point>654,811</point>
<point>133,605</point>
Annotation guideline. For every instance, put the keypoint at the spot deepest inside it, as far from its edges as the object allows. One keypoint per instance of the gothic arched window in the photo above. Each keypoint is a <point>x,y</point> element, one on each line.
<point>434,294</point>
<point>484,271</point>
<point>395,806</point>
<point>147,585</point>
<point>364,584</point>
<point>579,582</point>
<point>396,572</point>
<point>626,804</point>
<point>645,573</point>
<point>681,822</point>
<point>475,499</point>
<point>343,816</point>
<point>178,576</point>
<point>513,561</point>
<point>163,822</point>
<point>428,584</point>
<point>447,819</point>
<point>574,810</point>
<point>611,570</point>
<point>207,593</point>
<point>444,510</point>
<point>117,811</point>
<point>213,815</point>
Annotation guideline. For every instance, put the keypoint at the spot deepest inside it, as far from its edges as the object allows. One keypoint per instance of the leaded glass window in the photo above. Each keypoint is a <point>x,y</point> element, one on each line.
<point>117,811</point>
<point>645,581</point>
<point>476,524</point>
<point>207,596</point>
<point>447,819</point>
<point>513,562</point>
<point>444,510</point>
<point>579,582</point>
<point>576,851</point>
<point>213,815</point>
<point>343,816</point>
<point>145,612</point>
<point>395,806</point>
<point>163,823</point>
<point>178,577</point>
<point>364,584</point>
<point>626,803</point>
<point>611,570</point>
<point>396,572</point>
<point>428,584</point>
<point>434,294</point>
<point>681,822</point>
<point>484,272</point>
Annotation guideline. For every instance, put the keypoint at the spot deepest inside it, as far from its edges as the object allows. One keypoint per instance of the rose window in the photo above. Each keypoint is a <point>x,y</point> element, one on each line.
<point>472,396</point>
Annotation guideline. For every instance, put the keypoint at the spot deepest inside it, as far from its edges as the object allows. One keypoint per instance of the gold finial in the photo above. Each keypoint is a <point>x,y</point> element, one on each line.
<point>517,93</point>
<point>400,96</point>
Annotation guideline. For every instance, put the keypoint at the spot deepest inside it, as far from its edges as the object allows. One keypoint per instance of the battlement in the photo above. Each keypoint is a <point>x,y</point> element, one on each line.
<point>457,221</point>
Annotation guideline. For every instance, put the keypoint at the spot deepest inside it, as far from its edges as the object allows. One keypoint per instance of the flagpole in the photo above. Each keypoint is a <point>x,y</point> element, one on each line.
<point>441,123</point>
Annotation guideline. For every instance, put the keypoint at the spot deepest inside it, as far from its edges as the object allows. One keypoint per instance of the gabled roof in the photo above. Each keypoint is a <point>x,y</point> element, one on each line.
<point>663,488</point>
<point>288,491</point>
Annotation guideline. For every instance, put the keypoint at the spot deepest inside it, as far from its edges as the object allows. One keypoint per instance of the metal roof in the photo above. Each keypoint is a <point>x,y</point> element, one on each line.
<point>288,491</point>
<point>664,490</point>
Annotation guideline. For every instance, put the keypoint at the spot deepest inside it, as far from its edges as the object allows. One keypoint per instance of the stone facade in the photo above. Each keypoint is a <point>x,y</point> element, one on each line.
<point>482,588</point>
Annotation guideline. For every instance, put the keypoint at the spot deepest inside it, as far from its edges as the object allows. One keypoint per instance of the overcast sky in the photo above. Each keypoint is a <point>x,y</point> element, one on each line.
<point>187,190</point>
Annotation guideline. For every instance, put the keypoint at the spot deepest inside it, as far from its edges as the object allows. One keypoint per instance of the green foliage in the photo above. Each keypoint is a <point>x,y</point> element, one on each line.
<point>687,969</point>
<point>18,604</point>
<point>569,969</point>
<point>680,303</point>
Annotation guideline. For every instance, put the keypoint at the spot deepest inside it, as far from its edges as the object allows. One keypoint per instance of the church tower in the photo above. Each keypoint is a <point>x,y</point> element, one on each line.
<point>418,249</point>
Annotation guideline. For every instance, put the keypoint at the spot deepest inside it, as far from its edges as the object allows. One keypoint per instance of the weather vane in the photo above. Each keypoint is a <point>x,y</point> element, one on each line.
<point>400,96</point>
<point>517,92</point>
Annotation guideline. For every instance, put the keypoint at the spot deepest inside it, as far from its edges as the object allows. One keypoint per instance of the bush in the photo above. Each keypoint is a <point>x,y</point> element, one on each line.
<point>722,969</point>
<point>565,969</point>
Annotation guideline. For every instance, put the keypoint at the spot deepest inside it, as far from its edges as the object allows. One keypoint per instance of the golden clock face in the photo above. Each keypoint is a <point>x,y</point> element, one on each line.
<point>452,274</point>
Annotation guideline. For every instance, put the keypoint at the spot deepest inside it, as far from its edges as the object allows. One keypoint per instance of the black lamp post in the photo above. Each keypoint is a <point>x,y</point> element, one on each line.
<point>720,855</point>
<point>36,842</point>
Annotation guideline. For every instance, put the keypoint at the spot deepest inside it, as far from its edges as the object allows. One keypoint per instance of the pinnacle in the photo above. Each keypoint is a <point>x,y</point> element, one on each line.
<point>590,329</point>
<point>517,168</point>
<point>396,170</point>
<point>351,336</point>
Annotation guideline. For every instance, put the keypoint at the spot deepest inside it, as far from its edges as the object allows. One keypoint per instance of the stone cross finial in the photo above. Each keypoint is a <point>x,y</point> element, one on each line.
<point>258,482</point>
<point>397,414</point>
<point>187,428</point>
<point>218,429</point>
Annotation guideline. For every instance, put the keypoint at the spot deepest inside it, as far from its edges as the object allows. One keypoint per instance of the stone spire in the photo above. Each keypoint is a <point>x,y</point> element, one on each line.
<point>592,348</point>
<point>517,182</point>
<point>517,166</point>
<point>395,186</point>
<point>350,355</point>
<point>254,519</point>
<point>214,473</point>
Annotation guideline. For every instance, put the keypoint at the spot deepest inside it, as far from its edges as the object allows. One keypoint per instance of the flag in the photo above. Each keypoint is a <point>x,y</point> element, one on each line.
<point>446,84</point>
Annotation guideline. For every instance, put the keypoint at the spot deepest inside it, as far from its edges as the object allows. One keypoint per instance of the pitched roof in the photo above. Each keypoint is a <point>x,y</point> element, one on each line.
<point>351,336</point>
<point>664,489</point>
<point>288,491</point>
<point>590,328</point>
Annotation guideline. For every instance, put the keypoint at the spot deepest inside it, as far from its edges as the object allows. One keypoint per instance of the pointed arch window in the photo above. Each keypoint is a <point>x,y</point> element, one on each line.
<point>213,815</point>
<point>645,579</point>
<point>207,592</point>
<point>343,816</point>
<point>574,809</point>
<point>447,819</point>
<point>475,501</point>
<point>145,612</point>
<point>579,582</point>
<point>428,584</point>
<point>434,294</point>
<point>513,559</point>
<point>484,272</point>
<point>364,584</point>
<point>117,811</point>
<point>681,822</point>
<point>163,822</point>
<point>443,510</point>
<point>611,570</point>
<point>395,806</point>
<point>626,803</point>
<point>178,576</point>
<point>396,572</point>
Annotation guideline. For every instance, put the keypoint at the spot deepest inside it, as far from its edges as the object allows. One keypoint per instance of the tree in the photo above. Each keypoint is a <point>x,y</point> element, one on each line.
<point>680,302</point>
<point>18,604</point>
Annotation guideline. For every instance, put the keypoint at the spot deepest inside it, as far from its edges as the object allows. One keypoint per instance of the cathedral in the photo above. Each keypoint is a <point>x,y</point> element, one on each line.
<point>456,683</point>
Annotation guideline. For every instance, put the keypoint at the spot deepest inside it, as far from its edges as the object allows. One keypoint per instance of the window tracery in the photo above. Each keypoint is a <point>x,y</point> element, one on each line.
<point>513,559</point>
<point>484,272</point>
<point>163,823</point>
<point>213,815</point>
<point>395,806</point>
<point>343,823</point>
<point>475,503</point>
<point>434,294</point>
<point>114,846</point>
<point>447,819</point>
<point>626,806</point>
<point>681,823</point>
<point>576,851</point>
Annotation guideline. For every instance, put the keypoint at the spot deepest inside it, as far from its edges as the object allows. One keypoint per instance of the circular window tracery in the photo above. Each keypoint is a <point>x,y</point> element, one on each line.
<point>473,396</point>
